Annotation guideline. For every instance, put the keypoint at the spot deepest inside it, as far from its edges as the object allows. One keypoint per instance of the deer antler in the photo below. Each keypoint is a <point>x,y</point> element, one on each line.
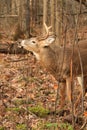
<point>47,29</point>
<point>47,32</point>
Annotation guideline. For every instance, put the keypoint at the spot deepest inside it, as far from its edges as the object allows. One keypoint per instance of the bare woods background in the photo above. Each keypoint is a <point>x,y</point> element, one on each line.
<point>24,18</point>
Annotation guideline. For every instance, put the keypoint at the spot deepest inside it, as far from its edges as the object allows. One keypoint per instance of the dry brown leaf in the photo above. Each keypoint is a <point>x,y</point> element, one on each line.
<point>85,113</point>
<point>53,99</point>
<point>55,86</point>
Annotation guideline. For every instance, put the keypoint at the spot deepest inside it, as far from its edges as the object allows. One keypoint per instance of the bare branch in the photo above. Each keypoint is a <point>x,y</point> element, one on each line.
<point>84,2</point>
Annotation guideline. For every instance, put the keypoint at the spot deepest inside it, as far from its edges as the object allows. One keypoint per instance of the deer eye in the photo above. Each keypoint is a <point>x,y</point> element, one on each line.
<point>33,42</point>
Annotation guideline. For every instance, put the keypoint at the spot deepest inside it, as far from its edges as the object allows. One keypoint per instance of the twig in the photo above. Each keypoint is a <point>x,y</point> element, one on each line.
<point>57,94</point>
<point>17,60</point>
<point>84,125</point>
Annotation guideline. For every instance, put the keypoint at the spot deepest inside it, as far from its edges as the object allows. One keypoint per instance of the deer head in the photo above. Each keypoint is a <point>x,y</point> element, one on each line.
<point>36,44</point>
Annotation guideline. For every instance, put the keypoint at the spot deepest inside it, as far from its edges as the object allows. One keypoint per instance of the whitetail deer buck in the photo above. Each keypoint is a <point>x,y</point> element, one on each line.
<point>56,61</point>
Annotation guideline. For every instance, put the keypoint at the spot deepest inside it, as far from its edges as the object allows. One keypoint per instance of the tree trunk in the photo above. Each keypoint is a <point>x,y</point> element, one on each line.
<point>53,15</point>
<point>44,12</point>
<point>58,26</point>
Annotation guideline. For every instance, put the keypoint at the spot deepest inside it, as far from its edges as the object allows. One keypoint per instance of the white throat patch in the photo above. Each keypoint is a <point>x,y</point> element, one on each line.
<point>37,56</point>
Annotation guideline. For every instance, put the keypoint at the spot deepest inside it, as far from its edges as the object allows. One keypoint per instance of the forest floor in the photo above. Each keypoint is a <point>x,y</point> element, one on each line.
<point>27,97</point>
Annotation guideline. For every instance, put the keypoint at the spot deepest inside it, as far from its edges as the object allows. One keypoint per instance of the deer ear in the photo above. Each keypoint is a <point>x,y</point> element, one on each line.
<point>49,40</point>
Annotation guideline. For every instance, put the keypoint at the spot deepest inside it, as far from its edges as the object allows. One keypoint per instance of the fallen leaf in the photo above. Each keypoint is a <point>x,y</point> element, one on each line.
<point>55,86</point>
<point>85,113</point>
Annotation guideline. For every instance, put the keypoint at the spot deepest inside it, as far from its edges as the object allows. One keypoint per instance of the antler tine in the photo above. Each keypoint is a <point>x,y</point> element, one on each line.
<point>47,28</point>
<point>47,32</point>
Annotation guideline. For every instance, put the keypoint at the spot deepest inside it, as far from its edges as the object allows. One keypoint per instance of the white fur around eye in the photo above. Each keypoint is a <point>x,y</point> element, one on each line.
<point>33,42</point>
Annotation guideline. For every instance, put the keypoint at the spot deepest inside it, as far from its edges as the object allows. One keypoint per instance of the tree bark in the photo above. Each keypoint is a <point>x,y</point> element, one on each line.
<point>44,12</point>
<point>53,14</point>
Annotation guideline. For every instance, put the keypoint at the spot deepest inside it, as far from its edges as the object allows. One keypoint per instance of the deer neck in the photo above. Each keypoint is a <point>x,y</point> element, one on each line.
<point>49,57</point>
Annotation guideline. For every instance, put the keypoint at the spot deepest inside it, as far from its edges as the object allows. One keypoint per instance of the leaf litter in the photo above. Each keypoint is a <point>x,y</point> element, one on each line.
<point>24,85</point>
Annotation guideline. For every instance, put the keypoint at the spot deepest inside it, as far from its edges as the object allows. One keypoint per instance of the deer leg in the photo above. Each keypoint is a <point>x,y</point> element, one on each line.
<point>81,89</point>
<point>80,95</point>
<point>68,89</point>
<point>65,90</point>
<point>77,102</point>
<point>62,93</point>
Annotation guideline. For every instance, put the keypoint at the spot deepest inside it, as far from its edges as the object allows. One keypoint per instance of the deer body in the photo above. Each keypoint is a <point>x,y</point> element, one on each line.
<point>51,57</point>
<point>56,60</point>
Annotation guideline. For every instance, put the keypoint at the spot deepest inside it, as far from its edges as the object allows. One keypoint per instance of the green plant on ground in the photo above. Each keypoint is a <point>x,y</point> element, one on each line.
<point>15,109</point>
<point>56,126</point>
<point>51,126</point>
<point>39,111</point>
<point>2,128</point>
<point>65,126</point>
<point>21,127</point>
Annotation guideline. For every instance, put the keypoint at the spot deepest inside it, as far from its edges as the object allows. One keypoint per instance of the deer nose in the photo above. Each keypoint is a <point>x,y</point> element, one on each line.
<point>19,43</point>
